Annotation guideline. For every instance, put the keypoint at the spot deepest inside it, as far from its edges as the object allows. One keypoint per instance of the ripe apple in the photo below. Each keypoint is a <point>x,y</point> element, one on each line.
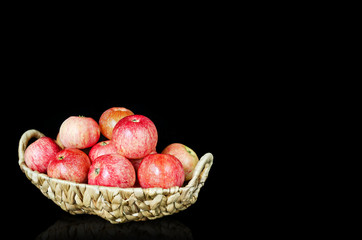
<point>40,153</point>
<point>135,136</point>
<point>60,144</point>
<point>70,164</point>
<point>110,118</point>
<point>186,155</point>
<point>137,162</point>
<point>79,132</point>
<point>112,170</point>
<point>102,148</point>
<point>160,170</point>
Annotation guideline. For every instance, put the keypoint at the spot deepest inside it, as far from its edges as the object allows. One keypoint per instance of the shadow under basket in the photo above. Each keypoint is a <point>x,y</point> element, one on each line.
<point>117,205</point>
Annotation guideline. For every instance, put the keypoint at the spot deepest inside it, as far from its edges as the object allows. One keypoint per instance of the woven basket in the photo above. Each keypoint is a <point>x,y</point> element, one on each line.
<point>117,205</point>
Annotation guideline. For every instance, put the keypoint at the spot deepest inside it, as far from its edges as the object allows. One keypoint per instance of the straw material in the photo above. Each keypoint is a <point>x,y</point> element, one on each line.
<point>117,205</point>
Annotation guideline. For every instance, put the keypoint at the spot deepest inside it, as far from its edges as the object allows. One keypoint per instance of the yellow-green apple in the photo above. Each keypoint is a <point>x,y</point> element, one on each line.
<point>70,164</point>
<point>135,136</point>
<point>112,170</point>
<point>160,170</point>
<point>60,144</point>
<point>102,148</point>
<point>110,118</point>
<point>79,132</point>
<point>186,155</point>
<point>40,153</point>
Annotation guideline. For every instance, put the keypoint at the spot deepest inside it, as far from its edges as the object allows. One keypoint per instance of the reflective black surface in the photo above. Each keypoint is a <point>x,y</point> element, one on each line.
<point>92,227</point>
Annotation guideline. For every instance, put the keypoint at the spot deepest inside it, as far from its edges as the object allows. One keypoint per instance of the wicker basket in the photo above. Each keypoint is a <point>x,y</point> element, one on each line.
<point>117,205</point>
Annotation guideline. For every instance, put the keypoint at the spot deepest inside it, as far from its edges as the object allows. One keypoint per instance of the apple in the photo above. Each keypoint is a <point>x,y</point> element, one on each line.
<point>70,164</point>
<point>135,136</point>
<point>79,132</point>
<point>137,162</point>
<point>186,155</point>
<point>60,144</point>
<point>160,170</point>
<point>112,170</point>
<point>102,148</point>
<point>40,153</point>
<point>110,118</point>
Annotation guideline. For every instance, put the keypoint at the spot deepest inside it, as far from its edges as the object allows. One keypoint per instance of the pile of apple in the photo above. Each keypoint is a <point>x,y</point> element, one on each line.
<point>127,159</point>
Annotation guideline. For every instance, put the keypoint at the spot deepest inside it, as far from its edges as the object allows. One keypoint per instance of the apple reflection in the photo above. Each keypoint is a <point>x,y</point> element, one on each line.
<point>92,227</point>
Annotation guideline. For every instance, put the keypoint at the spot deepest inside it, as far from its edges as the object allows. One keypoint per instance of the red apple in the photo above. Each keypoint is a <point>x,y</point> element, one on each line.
<point>40,153</point>
<point>135,136</point>
<point>102,148</point>
<point>79,132</point>
<point>160,170</point>
<point>110,118</point>
<point>136,164</point>
<point>70,164</point>
<point>186,155</point>
<point>112,170</point>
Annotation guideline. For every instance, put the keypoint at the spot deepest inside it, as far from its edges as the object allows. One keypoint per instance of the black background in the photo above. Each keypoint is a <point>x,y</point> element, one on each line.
<point>193,123</point>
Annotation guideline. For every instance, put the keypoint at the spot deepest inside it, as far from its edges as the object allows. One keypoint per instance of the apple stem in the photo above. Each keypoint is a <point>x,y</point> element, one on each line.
<point>97,170</point>
<point>188,150</point>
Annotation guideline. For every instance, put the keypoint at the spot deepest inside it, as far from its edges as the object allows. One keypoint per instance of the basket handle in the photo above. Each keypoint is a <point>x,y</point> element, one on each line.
<point>202,169</point>
<point>24,140</point>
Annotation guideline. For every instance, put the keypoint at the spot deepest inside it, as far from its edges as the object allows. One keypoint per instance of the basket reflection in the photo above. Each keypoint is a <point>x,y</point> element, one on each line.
<point>92,227</point>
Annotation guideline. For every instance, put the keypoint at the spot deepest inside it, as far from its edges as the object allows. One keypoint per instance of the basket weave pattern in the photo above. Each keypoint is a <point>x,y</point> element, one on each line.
<point>117,205</point>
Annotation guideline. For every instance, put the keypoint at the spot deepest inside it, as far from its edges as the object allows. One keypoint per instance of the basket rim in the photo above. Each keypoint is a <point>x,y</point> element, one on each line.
<point>24,168</point>
<point>200,173</point>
